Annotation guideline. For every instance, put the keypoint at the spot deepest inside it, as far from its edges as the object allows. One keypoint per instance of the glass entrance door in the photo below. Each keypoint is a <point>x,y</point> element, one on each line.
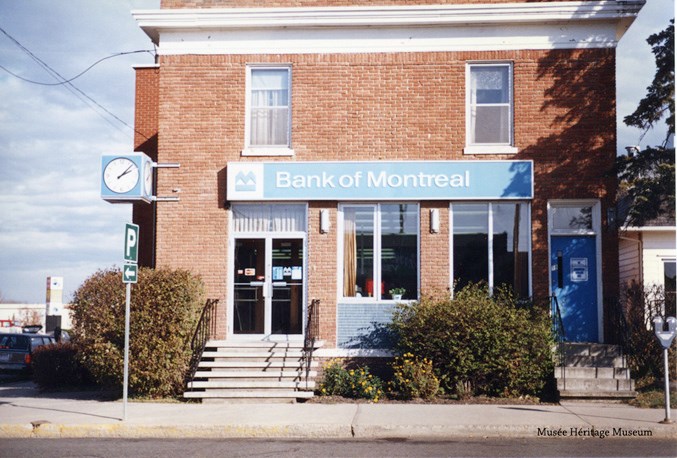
<point>268,286</point>
<point>249,303</point>
<point>287,282</point>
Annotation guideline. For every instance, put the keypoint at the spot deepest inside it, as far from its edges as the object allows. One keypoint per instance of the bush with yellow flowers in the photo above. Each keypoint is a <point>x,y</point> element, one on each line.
<point>413,378</point>
<point>350,383</point>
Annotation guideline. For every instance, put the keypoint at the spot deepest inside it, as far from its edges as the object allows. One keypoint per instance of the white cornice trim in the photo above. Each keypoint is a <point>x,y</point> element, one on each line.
<point>191,25</point>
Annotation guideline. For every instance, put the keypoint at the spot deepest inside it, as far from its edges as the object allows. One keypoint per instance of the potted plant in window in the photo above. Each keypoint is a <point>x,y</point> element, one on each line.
<point>397,293</point>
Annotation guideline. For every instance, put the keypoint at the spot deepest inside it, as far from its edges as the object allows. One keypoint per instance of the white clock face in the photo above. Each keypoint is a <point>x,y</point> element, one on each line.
<point>148,178</point>
<point>121,175</point>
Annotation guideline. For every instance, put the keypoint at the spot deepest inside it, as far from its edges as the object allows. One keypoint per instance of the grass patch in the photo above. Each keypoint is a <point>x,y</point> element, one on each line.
<point>653,399</point>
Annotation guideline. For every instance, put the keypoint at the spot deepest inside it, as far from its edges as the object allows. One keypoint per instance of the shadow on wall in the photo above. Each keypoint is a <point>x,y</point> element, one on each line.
<point>575,155</point>
<point>375,336</point>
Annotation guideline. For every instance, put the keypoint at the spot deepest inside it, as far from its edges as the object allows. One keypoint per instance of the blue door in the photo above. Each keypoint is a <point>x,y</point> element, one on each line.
<point>574,282</point>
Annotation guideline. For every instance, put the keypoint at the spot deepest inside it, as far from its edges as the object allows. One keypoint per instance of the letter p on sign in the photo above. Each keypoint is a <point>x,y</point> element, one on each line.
<point>131,243</point>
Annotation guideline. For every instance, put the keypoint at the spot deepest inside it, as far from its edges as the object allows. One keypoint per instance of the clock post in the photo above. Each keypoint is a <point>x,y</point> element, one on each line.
<point>129,178</point>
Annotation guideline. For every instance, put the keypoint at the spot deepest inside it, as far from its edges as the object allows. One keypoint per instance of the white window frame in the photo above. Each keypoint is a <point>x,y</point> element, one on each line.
<point>489,148</point>
<point>271,150</point>
<point>376,298</point>
<point>490,241</point>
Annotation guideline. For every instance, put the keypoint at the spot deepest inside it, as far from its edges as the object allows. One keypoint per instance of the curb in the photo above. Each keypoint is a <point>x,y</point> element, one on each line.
<point>296,431</point>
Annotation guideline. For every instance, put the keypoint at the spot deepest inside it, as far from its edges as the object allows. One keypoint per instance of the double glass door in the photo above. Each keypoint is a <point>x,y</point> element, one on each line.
<point>268,287</point>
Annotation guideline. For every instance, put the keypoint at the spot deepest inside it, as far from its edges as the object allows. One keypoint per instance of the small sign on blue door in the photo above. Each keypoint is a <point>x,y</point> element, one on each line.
<point>579,269</point>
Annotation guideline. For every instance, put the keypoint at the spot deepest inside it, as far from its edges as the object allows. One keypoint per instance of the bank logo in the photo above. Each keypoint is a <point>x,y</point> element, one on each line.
<point>245,182</point>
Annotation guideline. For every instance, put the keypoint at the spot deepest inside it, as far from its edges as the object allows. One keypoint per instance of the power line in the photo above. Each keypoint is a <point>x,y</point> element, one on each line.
<point>79,74</point>
<point>70,86</point>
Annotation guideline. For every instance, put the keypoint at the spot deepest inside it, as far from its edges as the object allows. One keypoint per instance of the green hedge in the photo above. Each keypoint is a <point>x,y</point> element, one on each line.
<point>479,345</point>
<point>165,307</point>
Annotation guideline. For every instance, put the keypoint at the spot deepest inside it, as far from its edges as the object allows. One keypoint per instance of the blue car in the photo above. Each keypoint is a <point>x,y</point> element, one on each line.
<point>16,350</point>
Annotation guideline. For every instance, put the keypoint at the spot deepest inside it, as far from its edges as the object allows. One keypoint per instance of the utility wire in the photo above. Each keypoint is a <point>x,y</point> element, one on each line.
<point>70,86</point>
<point>79,74</point>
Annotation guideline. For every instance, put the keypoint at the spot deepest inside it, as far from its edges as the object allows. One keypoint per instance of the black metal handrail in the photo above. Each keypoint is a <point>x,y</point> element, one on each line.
<point>203,331</point>
<point>560,336</point>
<point>311,332</point>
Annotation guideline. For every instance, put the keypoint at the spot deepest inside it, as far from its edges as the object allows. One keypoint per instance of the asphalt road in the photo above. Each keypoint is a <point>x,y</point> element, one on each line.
<point>185,448</point>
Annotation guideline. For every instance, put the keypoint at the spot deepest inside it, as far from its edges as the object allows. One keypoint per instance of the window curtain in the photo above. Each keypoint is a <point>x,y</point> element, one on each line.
<point>269,218</point>
<point>349,254</point>
<point>269,107</point>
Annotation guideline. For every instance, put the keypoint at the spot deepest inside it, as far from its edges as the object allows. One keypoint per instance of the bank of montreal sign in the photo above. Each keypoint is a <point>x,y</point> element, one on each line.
<point>380,180</point>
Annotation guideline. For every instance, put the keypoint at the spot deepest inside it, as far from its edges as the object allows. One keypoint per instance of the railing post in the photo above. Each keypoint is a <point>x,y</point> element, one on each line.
<point>311,332</point>
<point>203,331</point>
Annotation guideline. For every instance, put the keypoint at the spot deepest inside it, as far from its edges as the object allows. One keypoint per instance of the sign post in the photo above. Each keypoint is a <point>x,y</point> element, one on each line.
<point>129,276</point>
<point>666,338</point>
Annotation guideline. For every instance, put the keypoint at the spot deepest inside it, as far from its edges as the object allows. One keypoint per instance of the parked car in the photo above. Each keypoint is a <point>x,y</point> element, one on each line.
<point>16,350</point>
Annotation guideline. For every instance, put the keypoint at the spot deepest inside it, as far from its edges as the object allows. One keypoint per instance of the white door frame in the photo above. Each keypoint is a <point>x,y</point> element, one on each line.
<point>596,232</point>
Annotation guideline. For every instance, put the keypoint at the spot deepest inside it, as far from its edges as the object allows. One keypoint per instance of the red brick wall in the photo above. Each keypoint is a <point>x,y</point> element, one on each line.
<point>379,107</point>
<point>315,3</point>
<point>146,140</point>
<point>322,268</point>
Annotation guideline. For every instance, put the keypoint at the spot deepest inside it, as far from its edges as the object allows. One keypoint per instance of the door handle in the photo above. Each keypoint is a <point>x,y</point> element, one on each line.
<point>560,270</point>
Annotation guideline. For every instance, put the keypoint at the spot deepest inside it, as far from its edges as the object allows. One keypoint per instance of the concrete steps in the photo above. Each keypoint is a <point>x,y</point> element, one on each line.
<point>250,371</point>
<point>593,371</point>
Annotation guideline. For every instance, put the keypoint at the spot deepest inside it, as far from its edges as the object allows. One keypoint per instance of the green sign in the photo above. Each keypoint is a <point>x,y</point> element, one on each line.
<point>130,273</point>
<point>131,243</point>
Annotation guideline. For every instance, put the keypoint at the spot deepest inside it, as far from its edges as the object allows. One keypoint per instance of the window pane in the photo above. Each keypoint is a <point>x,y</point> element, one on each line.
<point>490,124</point>
<point>399,249</point>
<point>511,247</point>
<point>269,110</point>
<point>264,78</point>
<point>572,218</point>
<point>490,84</point>
<point>358,252</point>
<point>471,243</point>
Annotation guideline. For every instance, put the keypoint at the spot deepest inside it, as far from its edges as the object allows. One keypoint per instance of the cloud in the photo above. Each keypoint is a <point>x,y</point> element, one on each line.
<point>53,220</point>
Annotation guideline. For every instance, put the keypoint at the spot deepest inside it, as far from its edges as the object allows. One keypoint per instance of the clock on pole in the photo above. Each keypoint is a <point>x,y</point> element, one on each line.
<point>127,178</point>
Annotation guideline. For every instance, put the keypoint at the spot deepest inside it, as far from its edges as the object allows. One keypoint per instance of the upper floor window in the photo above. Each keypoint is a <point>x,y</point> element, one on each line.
<point>268,111</point>
<point>489,108</point>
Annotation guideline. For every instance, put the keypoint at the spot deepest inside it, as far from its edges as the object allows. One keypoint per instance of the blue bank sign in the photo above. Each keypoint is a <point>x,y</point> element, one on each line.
<point>402,180</point>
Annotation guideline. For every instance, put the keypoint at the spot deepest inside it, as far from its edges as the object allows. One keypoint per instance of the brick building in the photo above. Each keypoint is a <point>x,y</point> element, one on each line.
<point>335,151</point>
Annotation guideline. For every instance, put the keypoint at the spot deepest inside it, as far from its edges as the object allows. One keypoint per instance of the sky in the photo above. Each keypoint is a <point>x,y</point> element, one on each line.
<point>52,219</point>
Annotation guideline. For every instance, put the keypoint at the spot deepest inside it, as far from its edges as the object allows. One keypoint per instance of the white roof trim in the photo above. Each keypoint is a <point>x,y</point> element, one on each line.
<point>195,22</point>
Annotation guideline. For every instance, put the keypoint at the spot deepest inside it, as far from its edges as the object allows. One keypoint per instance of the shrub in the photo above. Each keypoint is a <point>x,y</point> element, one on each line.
<point>479,344</point>
<point>57,366</point>
<point>353,383</point>
<point>644,351</point>
<point>413,378</point>
<point>165,307</point>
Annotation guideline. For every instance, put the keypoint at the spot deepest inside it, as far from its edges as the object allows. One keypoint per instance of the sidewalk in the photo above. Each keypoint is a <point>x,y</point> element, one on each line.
<point>26,413</point>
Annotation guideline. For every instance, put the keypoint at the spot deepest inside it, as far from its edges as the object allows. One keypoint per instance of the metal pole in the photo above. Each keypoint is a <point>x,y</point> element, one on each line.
<point>666,368</point>
<point>125,379</point>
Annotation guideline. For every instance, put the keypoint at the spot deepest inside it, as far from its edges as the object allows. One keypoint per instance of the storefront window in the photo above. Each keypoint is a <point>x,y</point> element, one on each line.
<point>380,250</point>
<point>491,244</point>
<point>399,249</point>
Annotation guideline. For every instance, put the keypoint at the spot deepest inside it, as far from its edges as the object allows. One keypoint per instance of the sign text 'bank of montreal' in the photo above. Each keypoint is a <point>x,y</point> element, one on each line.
<point>380,180</point>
